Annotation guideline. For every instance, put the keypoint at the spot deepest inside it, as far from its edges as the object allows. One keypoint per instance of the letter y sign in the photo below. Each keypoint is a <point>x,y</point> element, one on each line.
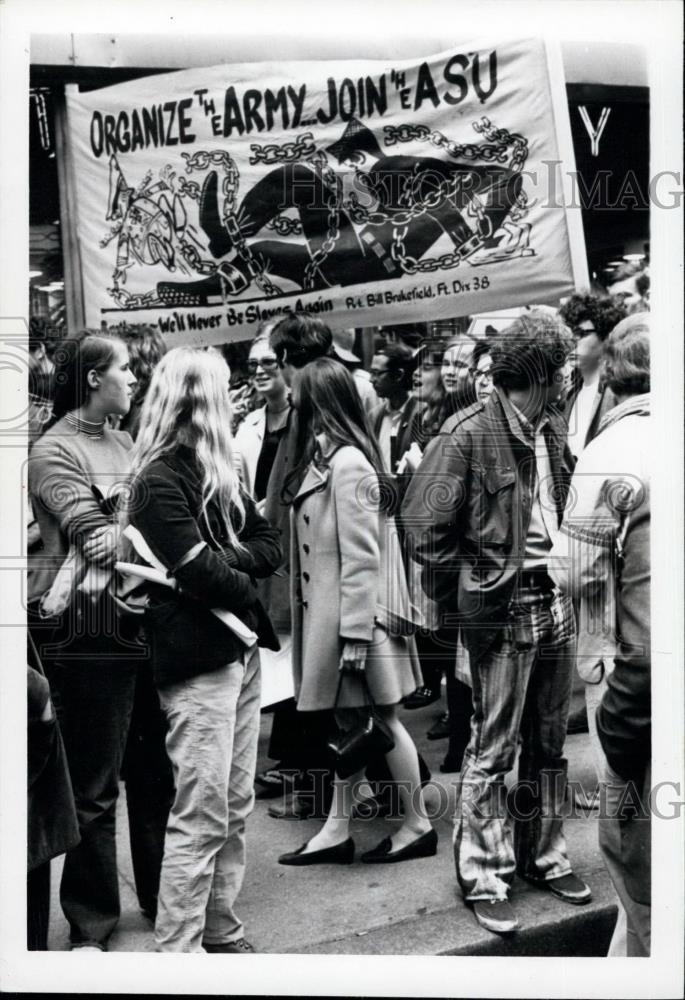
<point>594,133</point>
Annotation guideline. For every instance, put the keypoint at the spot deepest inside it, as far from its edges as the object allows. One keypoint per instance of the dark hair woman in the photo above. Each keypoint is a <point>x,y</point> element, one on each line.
<point>95,669</point>
<point>429,391</point>
<point>146,348</point>
<point>348,584</point>
<point>259,434</point>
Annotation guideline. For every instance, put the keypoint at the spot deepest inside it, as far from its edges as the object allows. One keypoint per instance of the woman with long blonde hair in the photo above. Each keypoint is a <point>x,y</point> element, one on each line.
<point>187,503</point>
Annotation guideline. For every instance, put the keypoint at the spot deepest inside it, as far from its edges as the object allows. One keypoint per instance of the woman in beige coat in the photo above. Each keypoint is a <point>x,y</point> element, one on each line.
<point>350,605</point>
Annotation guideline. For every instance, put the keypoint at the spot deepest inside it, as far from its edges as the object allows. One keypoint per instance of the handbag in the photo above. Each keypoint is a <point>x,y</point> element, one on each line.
<point>371,738</point>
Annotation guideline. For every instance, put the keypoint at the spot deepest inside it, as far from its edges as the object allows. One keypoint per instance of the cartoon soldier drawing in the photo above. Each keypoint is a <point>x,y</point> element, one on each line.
<point>416,201</point>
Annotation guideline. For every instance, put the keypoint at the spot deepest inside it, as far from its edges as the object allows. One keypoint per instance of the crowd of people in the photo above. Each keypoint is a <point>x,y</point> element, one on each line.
<point>473,510</point>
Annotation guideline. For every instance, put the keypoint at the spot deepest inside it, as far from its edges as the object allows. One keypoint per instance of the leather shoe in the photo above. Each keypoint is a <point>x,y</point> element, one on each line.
<point>340,854</point>
<point>424,846</point>
<point>577,722</point>
<point>569,887</point>
<point>441,730</point>
<point>272,783</point>
<point>421,697</point>
<point>495,915</point>
<point>295,807</point>
<point>239,947</point>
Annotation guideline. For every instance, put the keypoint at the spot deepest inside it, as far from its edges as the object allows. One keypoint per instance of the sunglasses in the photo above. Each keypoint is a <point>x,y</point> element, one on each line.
<point>267,364</point>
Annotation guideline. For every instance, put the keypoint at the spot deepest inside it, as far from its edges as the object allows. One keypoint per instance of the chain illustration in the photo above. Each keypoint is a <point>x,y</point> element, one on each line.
<point>496,150</point>
<point>126,300</point>
<point>334,201</point>
<point>285,226</point>
<point>200,160</point>
<point>288,152</point>
<point>498,146</point>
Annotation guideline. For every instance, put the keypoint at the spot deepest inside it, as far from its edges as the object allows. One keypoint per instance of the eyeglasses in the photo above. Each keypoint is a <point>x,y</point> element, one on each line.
<point>480,373</point>
<point>267,364</point>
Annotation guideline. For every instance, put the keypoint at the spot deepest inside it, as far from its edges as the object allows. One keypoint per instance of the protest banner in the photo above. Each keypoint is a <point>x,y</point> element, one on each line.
<point>364,193</point>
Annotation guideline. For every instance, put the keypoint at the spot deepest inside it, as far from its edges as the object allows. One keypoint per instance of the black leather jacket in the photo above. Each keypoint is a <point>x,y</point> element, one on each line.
<point>467,511</point>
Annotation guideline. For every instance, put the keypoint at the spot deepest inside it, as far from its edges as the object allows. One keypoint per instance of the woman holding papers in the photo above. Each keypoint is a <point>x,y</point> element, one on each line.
<point>78,459</point>
<point>351,612</point>
<point>187,506</point>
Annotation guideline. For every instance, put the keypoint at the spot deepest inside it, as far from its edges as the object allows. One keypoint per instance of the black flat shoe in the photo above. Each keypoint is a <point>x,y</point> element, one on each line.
<point>421,697</point>
<point>424,846</point>
<point>272,783</point>
<point>441,730</point>
<point>340,854</point>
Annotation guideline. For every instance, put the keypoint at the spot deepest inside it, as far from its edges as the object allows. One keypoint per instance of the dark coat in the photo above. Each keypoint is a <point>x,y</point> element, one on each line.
<point>406,432</point>
<point>275,591</point>
<point>52,826</point>
<point>186,638</point>
<point>467,511</point>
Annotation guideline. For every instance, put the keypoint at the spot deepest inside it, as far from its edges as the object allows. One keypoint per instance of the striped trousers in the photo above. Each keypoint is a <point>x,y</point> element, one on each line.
<point>521,692</point>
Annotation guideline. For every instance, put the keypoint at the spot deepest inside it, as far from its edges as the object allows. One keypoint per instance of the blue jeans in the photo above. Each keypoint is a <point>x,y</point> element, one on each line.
<point>521,688</point>
<point>212,745</point>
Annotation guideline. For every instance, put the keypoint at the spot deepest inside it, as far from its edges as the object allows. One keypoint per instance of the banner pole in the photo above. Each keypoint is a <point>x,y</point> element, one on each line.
<point>71,253</point>
<point>567,165</point>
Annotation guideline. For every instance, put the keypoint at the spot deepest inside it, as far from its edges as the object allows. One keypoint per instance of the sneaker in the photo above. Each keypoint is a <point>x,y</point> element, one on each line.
<point>239,947</point>
<point>495,915</point>
<point>569,887</point>
<point>87,947</point>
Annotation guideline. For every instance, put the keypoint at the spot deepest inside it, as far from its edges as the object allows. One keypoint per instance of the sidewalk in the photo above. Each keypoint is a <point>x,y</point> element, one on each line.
<point>413,908</point>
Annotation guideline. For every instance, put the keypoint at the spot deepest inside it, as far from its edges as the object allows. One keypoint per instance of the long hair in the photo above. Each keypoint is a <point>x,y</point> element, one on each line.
<point>146,348</point>
<point>74,358</point>
<point>325,391</point>
<point>188,402</point>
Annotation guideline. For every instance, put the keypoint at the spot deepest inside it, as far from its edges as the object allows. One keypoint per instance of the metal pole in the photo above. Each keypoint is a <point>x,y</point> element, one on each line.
<point>71,251</point>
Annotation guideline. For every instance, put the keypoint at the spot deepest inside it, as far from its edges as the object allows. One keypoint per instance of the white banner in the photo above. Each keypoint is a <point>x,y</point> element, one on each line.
<point>363,193</point>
